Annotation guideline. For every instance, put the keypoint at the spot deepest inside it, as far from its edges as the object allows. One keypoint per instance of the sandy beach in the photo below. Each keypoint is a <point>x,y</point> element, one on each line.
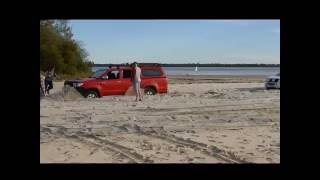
<point>202,119</point>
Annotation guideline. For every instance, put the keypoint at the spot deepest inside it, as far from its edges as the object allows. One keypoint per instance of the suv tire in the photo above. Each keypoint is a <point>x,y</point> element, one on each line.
<point>91,94</point>
<point>149,91</point>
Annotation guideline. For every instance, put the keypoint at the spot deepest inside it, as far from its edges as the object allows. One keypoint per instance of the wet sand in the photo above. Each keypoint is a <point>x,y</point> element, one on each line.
<point>205,119</point>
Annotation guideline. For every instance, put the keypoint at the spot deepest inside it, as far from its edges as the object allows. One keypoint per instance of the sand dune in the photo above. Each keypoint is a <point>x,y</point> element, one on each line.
<point>207,122</point>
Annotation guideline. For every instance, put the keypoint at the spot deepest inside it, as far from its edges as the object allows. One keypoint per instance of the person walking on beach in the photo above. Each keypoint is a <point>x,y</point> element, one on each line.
<point>42,91</point>
<point>136,80</point>
<point>49,81</point>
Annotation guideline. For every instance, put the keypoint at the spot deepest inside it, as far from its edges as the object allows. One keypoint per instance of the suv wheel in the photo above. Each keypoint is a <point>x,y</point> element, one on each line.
<point>91,94</point>
<point>149,91</point>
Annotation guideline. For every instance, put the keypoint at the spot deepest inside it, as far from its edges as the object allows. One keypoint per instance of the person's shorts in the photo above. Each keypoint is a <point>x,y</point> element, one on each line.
<point>48,85</point>
<point>136,85</point>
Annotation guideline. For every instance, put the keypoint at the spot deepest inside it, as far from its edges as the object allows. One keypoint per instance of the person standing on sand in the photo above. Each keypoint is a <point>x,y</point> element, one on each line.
<point>136,80</point>
<point>48,82</point>
<point>42,93</point>
<point>42,89</point>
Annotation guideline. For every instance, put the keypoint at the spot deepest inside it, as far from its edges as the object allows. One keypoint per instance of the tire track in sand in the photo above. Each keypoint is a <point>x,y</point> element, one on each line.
<point>104,144</point>
<point>211,151</point>
<point>158,133</point>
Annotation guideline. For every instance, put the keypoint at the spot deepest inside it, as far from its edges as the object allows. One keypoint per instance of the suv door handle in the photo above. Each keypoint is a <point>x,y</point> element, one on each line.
<point>118,81</point>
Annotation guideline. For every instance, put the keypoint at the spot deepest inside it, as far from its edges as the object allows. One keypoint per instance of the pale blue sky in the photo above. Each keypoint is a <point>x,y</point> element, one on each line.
<point>180,41</point>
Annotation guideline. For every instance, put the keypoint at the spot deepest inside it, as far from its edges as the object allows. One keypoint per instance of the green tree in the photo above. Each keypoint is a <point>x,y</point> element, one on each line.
<point>58,49</point>
<point>62,28</point>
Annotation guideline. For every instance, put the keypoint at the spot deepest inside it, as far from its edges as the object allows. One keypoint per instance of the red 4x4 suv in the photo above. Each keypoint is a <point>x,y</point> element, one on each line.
<point>117,80</point>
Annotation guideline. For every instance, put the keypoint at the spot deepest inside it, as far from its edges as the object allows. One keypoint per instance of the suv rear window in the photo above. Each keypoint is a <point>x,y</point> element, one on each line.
<point>151,72</point>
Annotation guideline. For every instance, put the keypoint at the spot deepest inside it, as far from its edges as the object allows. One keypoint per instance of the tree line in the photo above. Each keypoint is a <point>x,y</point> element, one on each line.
<point>59,51</point>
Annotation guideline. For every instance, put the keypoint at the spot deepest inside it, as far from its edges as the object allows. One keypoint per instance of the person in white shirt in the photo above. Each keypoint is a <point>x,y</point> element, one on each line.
<point>136,80</point>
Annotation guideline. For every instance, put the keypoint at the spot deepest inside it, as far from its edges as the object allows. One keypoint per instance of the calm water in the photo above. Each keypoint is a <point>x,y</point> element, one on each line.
<point>234,71</point>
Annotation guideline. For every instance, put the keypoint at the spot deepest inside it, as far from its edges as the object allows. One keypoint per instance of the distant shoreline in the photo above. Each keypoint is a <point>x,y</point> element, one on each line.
<point>204,65</point>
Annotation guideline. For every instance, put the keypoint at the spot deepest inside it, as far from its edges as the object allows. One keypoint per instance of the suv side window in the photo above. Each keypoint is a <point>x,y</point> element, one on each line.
<point>113,74</point>
<point>126,73</point>
<point>151,72</point>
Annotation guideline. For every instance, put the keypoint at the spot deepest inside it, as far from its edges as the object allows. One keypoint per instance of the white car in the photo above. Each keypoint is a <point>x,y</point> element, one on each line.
<point>273,82</point>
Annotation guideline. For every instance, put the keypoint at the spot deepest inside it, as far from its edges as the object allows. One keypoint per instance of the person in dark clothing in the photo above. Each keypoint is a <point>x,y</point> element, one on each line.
<point>42,93</point>
<point>49,81</point>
